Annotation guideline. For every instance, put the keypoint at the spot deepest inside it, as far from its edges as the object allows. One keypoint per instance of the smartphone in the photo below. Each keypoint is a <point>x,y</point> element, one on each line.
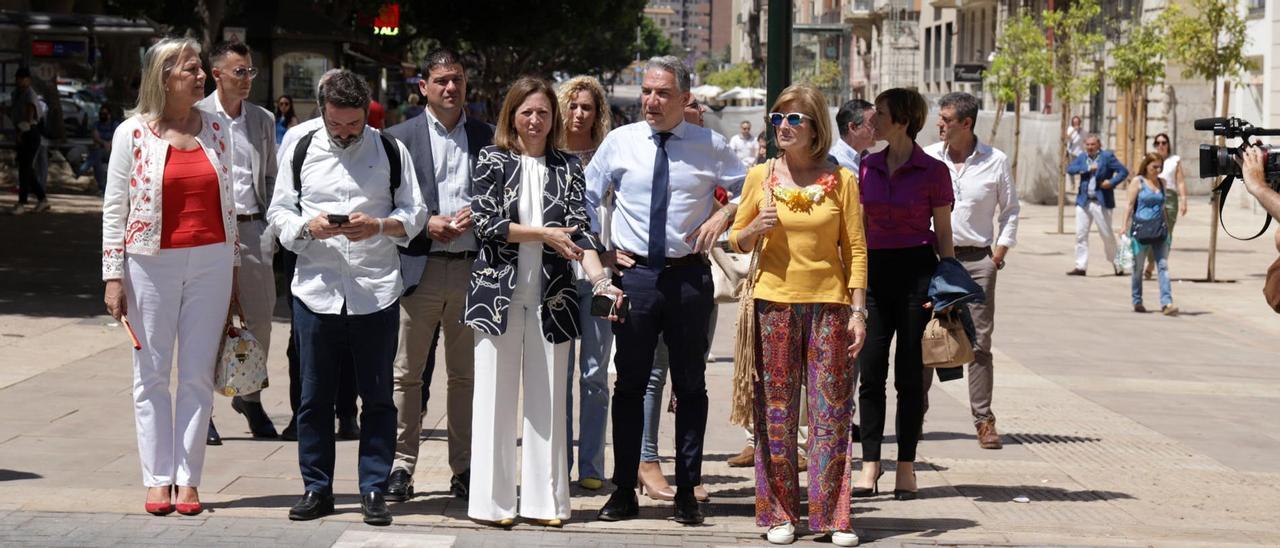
<point>338,219</point>
<point>602,306</point>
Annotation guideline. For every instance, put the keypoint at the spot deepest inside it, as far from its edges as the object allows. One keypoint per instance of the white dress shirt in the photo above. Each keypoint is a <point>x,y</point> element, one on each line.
<point>745,148</point>
<point>533,181</point>
<point>699,160</point>
<point>845,155</point>
<point>336,273</point>
<point>983,188</point>
<point>241,159</point>
<point>453,177</point>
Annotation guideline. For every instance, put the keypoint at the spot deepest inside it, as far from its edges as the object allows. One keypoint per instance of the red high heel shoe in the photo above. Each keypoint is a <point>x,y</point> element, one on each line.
<point>158,508</point>
<point>188,508</point>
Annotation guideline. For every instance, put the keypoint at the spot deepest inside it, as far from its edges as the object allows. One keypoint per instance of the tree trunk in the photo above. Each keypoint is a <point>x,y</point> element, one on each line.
<point>211,13</point>
<point>1017,133</point>
<point>1065,116</point>
<point>1213,204</point>
<point>995,126</point>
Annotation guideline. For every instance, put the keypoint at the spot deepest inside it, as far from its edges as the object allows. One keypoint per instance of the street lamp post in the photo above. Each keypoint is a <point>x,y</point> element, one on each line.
<point>778,68</point>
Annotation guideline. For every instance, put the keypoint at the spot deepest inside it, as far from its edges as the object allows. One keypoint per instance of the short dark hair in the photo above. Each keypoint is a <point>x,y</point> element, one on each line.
<point>965,105</point>
<point>441,57</point>
<point>851,112</point>
<point>221,51</point>
<point>343,88</point>
<point>22,72</point>
<point>905,106</point>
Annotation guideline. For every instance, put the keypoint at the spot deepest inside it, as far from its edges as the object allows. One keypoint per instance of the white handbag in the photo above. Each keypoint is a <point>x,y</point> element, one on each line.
<point>242,363</point>
<point>728,272</point>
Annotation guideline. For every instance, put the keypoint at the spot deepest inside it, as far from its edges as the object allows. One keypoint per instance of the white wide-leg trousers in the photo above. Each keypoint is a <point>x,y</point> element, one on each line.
<point>176,295</point>
<point>505,363</point>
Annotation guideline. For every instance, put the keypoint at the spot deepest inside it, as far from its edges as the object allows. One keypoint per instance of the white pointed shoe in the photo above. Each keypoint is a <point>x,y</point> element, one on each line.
<point>844,538</point>
<point>782,534</point>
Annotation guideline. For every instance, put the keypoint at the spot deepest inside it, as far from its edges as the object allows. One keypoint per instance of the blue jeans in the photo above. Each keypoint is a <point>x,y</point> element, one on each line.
<point>653,393</point>
<point>370,341</point>
<point>592,362</point>
<point>1160,254</point>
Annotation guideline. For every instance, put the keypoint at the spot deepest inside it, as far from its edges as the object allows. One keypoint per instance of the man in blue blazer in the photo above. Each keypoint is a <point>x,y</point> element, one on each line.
<point>1099,172</point>
<point>436,268</point>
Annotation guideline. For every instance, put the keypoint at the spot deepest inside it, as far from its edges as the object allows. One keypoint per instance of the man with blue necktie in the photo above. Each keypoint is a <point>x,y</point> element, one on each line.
<point>663,173</point>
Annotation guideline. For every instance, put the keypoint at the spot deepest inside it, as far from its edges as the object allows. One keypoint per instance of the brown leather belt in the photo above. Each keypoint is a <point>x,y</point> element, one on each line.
<point>249,217</point>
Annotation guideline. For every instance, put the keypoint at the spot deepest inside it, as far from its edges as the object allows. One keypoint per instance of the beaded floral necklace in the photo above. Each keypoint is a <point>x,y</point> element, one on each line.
<point>802,200</point>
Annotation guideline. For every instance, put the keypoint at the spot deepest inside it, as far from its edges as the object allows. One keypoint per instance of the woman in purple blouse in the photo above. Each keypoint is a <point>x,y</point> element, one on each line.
<point>904,192</point>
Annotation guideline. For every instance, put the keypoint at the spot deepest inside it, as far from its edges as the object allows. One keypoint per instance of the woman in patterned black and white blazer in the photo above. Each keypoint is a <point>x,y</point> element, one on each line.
<point>531,220</point>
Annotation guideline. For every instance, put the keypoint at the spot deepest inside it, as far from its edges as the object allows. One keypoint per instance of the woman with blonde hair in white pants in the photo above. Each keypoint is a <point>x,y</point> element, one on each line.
<point>168,255</point>
<point>531,221</point>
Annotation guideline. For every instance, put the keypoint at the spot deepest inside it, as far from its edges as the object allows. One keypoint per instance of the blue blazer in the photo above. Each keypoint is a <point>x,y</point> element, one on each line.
<point>1109,169</point>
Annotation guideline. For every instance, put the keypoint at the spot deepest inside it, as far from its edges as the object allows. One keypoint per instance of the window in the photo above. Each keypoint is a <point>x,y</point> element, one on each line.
<point>946,65</point>
<point>937,51</point>
<point>928,49</point>
<point>1257,8</point>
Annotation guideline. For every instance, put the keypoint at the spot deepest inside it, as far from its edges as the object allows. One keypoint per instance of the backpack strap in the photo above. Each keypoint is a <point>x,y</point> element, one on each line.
<point>299,157</point>
<point>392,148</point>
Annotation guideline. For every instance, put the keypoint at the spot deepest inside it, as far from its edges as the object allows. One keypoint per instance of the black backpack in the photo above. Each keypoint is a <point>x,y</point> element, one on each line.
<point>389,144</point>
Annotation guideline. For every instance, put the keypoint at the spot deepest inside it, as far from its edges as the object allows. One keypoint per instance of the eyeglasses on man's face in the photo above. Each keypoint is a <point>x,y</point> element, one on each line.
<point>244,72</point>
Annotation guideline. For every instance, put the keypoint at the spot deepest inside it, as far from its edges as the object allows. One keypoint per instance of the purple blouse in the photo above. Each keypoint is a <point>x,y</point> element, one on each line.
<point>899,209</point>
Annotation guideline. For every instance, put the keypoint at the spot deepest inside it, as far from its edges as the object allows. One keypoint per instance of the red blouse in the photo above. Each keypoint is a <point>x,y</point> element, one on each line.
<point>192,207</point>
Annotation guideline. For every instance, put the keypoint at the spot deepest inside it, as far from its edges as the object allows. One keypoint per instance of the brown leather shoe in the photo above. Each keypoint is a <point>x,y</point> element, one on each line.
<point>988,438</point>
<point>744,459</point>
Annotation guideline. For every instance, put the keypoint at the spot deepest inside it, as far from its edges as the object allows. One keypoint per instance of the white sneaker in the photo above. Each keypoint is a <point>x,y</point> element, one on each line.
<point>19,209</point>
<point>844,538</point>
<point>42,205</point>
<point>782,534</point>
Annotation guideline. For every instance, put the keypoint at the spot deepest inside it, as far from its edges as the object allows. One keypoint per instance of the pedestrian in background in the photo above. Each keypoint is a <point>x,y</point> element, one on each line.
<point>356,202</point>
<point>104,131</point>
<point>523,305</point>
<point>810,315</point>
<point>907,198</point>
<point>984,191</point>
<point>1175,188</point>
<point>1099,172</point>
<point>24,111</point>
<point>855,134</point>
<point>285,116</point>
<point>744,144</point>
<point>253,178</point>
<point>168,249</point>
<point>1147,202</point>
<point>587,120</point>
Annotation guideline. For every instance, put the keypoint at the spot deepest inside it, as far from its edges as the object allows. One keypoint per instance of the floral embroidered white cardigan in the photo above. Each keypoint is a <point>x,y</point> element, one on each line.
<point>132,202</point>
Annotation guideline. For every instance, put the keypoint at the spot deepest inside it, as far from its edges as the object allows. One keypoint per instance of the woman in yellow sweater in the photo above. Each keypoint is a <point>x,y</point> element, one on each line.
<point>810,313</point>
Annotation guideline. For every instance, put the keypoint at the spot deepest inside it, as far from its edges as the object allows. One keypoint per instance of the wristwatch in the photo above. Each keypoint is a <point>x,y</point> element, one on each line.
<point>306,232</point>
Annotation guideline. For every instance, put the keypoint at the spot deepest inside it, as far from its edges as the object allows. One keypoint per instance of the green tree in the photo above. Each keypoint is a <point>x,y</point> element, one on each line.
<point>1021,59</point>
<point>653,41</point>
<point>1073,48</point>
<point>737,75</point>
<point>1209,42</point>
<point>505,39</point>
<point>1137,63</point>
<point>824,74</point>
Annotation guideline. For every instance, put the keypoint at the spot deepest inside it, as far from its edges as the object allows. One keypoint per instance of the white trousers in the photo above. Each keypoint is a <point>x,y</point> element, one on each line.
<point>257,283</point>
<point>519,357</point>
<point>176,295</point>
<point>1085,217</point>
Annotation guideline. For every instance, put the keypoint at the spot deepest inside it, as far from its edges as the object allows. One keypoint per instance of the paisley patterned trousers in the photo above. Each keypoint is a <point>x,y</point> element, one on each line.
<point>803,343</point>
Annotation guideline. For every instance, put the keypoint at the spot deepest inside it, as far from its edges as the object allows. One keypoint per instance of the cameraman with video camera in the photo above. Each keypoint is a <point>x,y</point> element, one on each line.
<point>1253,160</point>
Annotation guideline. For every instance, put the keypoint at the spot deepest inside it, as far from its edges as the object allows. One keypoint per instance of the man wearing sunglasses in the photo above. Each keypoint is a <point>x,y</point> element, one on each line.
<point>253,174</point>
<point>663,174</point>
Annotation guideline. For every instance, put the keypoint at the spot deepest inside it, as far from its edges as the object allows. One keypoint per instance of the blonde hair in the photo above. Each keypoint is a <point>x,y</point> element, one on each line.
<point>157,64</point>
<point>810,102</point>
<point>505,136</point>
<point>604,119</point>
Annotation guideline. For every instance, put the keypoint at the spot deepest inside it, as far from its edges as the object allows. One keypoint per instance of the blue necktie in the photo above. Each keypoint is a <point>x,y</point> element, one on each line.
<point>658,204</point>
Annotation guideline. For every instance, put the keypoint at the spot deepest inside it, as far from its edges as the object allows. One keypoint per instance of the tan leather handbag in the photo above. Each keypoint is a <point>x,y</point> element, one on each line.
<point>1271,289</point>
<point>944,343</point>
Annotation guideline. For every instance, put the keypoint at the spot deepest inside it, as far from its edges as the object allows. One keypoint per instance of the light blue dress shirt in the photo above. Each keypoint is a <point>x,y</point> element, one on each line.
<point>699,159</point>
<point>845,155</point>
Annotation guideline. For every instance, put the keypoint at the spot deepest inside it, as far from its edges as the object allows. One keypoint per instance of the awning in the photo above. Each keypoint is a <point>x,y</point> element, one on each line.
<point>75,24</point>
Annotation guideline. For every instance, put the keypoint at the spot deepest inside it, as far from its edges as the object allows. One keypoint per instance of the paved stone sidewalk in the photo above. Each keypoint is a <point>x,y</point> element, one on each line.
<point>1121,429</point>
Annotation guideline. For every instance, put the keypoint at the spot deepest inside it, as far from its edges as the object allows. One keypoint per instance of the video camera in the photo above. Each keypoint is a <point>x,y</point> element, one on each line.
<point>1221,161</point>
